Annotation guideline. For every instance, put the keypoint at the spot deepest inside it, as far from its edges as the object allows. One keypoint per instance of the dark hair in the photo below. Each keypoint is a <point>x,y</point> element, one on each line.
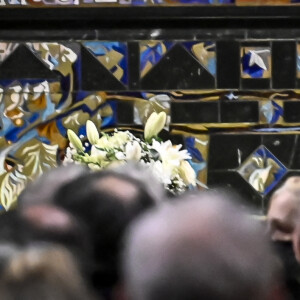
<point>14,229</point>
<point>106,213</point>
<point>18,230</point>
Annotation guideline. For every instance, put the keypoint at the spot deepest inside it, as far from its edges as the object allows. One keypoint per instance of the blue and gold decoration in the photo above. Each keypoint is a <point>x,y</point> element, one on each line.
<point>271,112</point>
<point>205,53</point>
<point>255,62</point>
<point>151,52</point>
<point>262,170</point>
<point>198,148</point>
<point>112,55</point>
<point>45,89</point>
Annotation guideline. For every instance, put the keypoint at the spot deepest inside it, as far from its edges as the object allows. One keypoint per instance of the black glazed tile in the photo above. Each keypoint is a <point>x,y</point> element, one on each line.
<point>234,182</point>
<point>272,33</point>
<point>264,44</point>
<point>47,35</point>
<point>295,154</point>
<point>225,149</point>
<point>178,69</point>
<point>281,145</point>
<point>124,112</point>
<point>23,64</point>
<point>76,48</point>
<point>219,34</point>
<point>228,65</point>
<point>133,65</point>
<point>283,64</point>
<point>239,111</point>
<point>291,111</point>
<point>95,77</point>
<point>194,112</point>
<point>176,139</point>
<point>255,84</point>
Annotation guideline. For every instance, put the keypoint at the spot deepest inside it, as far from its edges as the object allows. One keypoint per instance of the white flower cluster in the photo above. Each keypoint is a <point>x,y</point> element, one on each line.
<point>166,161</point>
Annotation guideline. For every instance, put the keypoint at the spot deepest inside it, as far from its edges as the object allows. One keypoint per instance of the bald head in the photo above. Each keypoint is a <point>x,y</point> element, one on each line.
<point>293,183</point>
<point>49,217</point>
<point>199,248</point>
<point>106,202</point>
<point>122,189</point>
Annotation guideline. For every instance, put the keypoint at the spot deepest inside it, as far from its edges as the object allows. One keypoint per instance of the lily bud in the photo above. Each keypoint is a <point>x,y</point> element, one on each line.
<point>187,173</point>
<point>92,132</point>
<point>75,140</point>
<point>155,124</point>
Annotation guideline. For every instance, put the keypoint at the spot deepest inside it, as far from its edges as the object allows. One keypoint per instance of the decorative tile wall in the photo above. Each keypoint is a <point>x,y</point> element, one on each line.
<point>232,97</point>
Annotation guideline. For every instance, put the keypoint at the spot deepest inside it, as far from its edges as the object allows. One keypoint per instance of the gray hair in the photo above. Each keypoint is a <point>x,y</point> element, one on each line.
<point>44,188</point>
<point>201,247</point>
<point>144,176</point>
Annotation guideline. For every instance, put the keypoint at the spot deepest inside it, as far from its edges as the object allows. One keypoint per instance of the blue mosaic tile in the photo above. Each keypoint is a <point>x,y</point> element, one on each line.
<point>113,56</point>
<point>204,52</point>
<point>262,170</point>
<point>270,111</point>
<point>151,52</point>
<point>255,62</point>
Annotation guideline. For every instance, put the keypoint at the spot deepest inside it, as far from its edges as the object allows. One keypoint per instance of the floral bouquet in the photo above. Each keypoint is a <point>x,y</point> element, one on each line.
<point>166,161</point>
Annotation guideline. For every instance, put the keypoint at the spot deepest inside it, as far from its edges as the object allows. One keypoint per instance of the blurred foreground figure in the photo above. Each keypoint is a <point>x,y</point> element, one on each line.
<point>145,177</point>
<point>42,273</point>
<point>106,202</point>
<point>43,189</point>
<point>284,227</point>
<point>46,224</point>
<point>201,247</point>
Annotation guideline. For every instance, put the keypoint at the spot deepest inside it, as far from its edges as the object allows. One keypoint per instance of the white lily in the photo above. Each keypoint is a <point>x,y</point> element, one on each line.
<point>75,140</point>
<point>161,172</point>
<point>104,142</point>
<point>169,153</point>
<point>120,155</point>
<point>133,151</point>
<point>99,155</point>
<point>187,173</point>
<point>118,139</point>
<point>92,132</point>
<point>154,125</point>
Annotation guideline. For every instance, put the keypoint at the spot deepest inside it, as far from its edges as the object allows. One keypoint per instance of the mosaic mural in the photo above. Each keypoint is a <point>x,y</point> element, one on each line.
<point>238,115</point>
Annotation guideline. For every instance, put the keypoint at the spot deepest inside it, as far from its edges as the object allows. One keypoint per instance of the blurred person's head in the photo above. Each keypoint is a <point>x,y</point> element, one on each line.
<point>46,223</point>
<point>43,189</point>
<point>136,171</point>
<point>14,229</point>
<point>283,219</point>
<point>56,225</point>
<point>107,202</point>
<point>201,247</point>
<point>42,272</point>
<point>284,210</point>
